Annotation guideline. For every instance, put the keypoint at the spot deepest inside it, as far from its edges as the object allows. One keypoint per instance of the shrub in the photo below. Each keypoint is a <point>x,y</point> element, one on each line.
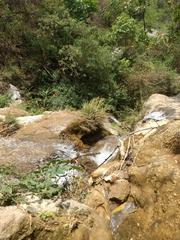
<point>81,9</point>
<point>9,186</point>
<point>95,110</point>
<point>62,96</point>
<point>4,100</point>
<point>151,77</point>
<point>124,29</point>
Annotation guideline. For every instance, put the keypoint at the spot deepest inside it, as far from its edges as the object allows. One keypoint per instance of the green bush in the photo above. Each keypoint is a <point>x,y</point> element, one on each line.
<point>151,77</point>
<point>95,110</point>
<point>4,100</point>
<point>63,96</point>
<point>81,9</point>
<point>124,29</point>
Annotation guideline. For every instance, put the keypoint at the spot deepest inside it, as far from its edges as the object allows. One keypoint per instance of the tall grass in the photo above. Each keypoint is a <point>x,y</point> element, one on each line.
<point>95,109</point>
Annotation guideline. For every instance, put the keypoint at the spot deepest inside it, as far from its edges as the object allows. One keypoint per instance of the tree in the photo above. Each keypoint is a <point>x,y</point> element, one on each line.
<point>124,29</point>
<point>81,9</point>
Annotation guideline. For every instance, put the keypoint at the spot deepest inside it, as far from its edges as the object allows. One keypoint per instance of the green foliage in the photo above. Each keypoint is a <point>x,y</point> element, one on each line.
<point>115,8</point>
<point>124,29</point>
<point>42,182</point>
<point>9,126</point>
<point>9,187</point>
<point>4,100</point>
<point>45,215</point>
<point>95,110</point>
<point>153,77</point>
<point>62,96</point>
<point>8,193</point>
<point>81,9</point>
<point>112,10</point>
<point>60,57</point>
<point>32,106</point>
<point>10,120</point>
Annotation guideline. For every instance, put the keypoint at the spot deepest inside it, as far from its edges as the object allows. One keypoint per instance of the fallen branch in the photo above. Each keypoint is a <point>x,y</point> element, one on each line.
<point>117,147</point>
<point>126,154</point>
<point>141,130</point>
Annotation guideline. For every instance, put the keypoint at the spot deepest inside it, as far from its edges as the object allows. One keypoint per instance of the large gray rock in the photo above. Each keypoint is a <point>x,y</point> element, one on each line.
<point>14,93</point>
<point>158,110</point>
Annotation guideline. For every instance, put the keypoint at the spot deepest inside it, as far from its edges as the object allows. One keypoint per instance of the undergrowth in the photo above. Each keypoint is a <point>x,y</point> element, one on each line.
<point>4,100</point>
<point>42,182</point>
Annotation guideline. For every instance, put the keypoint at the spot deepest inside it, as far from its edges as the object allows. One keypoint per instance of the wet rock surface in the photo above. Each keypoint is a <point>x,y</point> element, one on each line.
<point>106,149</point>
<point>169,105</point>
<point>36,142</point>
<point>28,155</point>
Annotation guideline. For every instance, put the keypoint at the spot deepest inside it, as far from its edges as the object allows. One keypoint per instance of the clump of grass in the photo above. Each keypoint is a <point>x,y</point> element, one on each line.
<point>9,126</point>
<point>32,107</point>
<point>95,110</point>
<point>4,100</point>
<point>9,187</point>
<point>10,120</point>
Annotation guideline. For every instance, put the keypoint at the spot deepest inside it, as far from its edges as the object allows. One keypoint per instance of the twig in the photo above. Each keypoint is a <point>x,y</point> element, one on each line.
<point>117,147</point>
<point>126,154</point>
<point>141,130</point>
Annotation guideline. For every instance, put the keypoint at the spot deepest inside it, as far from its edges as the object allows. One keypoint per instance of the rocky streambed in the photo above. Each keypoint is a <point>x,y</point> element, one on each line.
<point>63,177</point>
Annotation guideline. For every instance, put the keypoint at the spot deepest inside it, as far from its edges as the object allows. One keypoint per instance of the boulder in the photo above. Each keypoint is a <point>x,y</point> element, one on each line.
<point>155,187</point>
<point>33,204</point>
<point>39,141</point>
<point>97,199</point>
<point>158,110</point>
<point>48,127</point>
<point>15,224</point>
<point>14,93</point>
<point>108,172</point>
<point>88,224</point>
<point>169,105</point>
<point>105,169</point>
<point>119,191</point>
<point>25,120</point>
